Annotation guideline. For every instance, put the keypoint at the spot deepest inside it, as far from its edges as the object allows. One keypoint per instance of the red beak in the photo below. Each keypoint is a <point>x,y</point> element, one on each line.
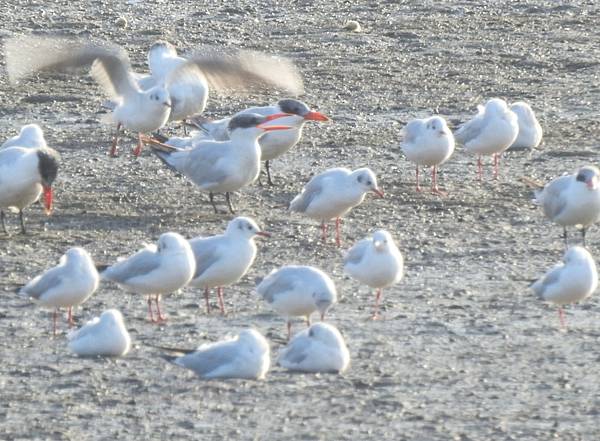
<point>263,234</point>
<point>315,116</point>
<point>378,192</point>
<point>276,115</point>
<point>48,200</point>
<point>271,128</point>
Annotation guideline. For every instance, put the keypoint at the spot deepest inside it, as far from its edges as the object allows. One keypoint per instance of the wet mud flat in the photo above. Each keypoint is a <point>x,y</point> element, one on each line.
<point>463,352</point>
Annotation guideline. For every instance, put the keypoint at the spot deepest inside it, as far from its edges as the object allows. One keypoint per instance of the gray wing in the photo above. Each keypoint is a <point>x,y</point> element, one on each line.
<point>470,130</point>
<point>357,252</point>
<point>243,70</point>
<point>412,131</point>
<point>141,263</point>
<point>313,188</point>
<point>29,54</point>
<point>552,196</point>
<point>44,283</point>
<point>296,351</point>
<point>205,361</point>
<point>280,281</point>
<point>550,278</point>
<point>201,166</point>
<point>205,253</point>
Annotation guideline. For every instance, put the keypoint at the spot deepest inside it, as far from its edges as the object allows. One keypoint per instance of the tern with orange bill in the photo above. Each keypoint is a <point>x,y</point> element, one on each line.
<point>222,166</point>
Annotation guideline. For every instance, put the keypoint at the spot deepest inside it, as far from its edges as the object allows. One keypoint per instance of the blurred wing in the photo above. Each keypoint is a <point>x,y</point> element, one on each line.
<point>114,76</point>
<point>244,70</point>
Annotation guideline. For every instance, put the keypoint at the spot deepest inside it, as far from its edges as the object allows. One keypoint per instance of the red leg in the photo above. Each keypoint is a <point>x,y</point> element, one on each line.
<point>161,318</point>
<point>479,169</point>
<point>54,317</point>
<point>434,185</point>
<point>220,296</point>
<point>561,317</point>
<point>150,315</point>
<point>114,148</point>
<point>138,150</point>
<point>323,231</point>
<point>496,163</point>
<point>377,299</point>
<point>417,177</point>
<point>338,240</point>
<point>289,329</point>
<point>207,302</point>
<point>70,317</point>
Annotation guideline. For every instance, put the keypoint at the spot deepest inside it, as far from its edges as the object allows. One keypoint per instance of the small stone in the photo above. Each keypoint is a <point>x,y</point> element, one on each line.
<point>121,22</point>
<point>352,26</point>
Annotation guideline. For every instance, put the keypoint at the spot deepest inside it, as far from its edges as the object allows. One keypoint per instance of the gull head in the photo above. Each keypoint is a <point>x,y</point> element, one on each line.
<point>590,176</point>
<point>365,179</point>
<point>171,243</point>
<point>324,333</point>
<point>381,240</point>
<point>577,254</point>
<point>111,317</point>
<point>159,97</point>
<point>245,227</point>
<point>253,338</point>
<point>437,125</point>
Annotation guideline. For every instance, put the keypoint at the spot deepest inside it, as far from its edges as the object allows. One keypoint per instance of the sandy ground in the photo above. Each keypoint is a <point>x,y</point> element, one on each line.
<point>464,351</point>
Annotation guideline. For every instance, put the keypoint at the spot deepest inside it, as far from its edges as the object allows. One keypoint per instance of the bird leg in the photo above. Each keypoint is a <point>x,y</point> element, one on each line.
<point>54,317</point>
<point>220,297</point>
<point>377,299</point>
<point>289,329</point>
<point>583,231</point>
<point>308,321</point>
<point>161,318</point>
<point>114,148</point>
<point>150,315</point>
<point>70,317</point>
<point>184,123</point>
<point>561,317</point>
<point>2,216</point>
<point>479,168</point>
<point>496,163</point>
<point>434,185</point>
<point>338,239</point>
<point>565,237</point>
<point>417,178</point>
<point>206,299</point>
<point>23,231</point>
<point>323,231</point>
<point>229,204</point>
<point>138,150</point>
<point>269,180</point>
<point>211,196</point>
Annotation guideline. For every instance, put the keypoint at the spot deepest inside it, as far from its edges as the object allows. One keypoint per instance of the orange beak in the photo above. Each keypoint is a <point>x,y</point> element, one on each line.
<point>276,115</point>
<point>271,128</point>
<point>263,234</point>
<point>378,192</point>
<point>315,116</point>
<point>48,200</point>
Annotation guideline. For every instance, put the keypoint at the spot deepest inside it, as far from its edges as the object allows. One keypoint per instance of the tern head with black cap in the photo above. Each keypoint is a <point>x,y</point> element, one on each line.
<point>295,107</point>
<point>48,169</point>
<point>251,125</point>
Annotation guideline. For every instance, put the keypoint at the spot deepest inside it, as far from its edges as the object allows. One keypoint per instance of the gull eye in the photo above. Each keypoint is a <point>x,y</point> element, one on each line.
<point>369,183</point>
<point>249,226</point>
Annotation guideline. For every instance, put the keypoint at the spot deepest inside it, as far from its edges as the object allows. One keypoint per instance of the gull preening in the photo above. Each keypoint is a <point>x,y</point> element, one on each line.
<point>26,174</point>
<point>570,281</point>
<point>222,166</point>
<point>332,194</point>
<point>376,262</point>
<point>489,133</point>
<point>68,284</point>
<point>30,136</point>
<point>428,142</point>
<point>320,348</point>
<point>224,259</point>
<point>140,110</point>
<point>272,144</point>
<point>530,130</point>
<point>155,270</point>
<point>102,336</point>
<point>572,200</point>
<point>298,291</point>
<point>245,356</point>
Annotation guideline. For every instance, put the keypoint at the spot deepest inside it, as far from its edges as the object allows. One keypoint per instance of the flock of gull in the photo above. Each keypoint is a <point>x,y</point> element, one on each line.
<point>224,156</point>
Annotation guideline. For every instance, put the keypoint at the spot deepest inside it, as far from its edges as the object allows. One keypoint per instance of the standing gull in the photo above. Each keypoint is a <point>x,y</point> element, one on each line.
<point>376,262</point>
<point>490,132</point>
<point>223,259</point>
<point>332,194</point>
<point>428,142</point>
<point>572,200</point>
<point>68,284</point>
<point>155,270</point>
<point>245,356</point>
<point>147,110</point>
<point>570,281</point>
<point>272,144</point>
<point>320,348</point>
<point>26,174</point>
<point>30,136</point>
<point>298,291</point>
<point>222,166</point>
<point>105,336</point>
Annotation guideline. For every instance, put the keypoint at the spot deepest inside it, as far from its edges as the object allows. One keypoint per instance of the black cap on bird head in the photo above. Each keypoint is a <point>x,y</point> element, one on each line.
<point>293,106</point>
